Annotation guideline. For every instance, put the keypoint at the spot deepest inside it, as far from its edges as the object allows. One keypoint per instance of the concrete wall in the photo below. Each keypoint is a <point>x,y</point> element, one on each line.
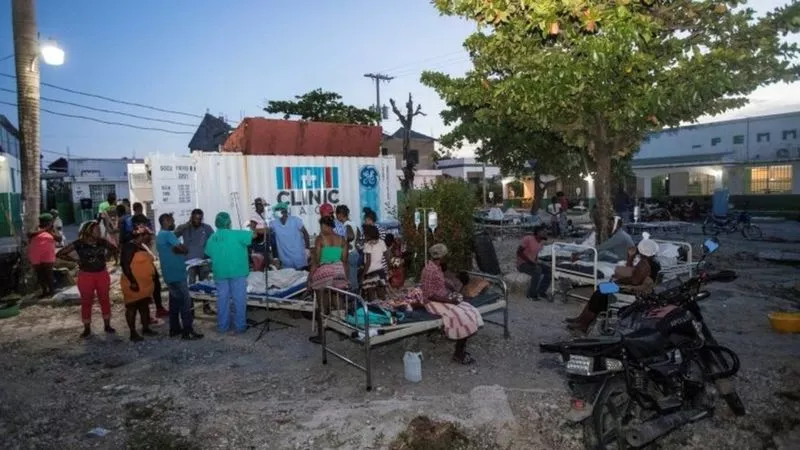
<point>394,147</point>
<point>761,138</point>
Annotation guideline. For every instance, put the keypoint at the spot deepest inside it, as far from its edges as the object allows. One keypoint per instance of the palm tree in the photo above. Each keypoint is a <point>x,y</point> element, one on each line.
<point>26,44</point>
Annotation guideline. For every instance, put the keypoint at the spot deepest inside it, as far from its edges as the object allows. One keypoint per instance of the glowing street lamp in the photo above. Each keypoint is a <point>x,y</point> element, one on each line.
<point>52,54</point>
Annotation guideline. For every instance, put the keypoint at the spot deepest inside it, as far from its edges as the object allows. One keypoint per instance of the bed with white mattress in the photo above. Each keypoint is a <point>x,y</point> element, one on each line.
<point>600,267</point>
<point>286,289</point>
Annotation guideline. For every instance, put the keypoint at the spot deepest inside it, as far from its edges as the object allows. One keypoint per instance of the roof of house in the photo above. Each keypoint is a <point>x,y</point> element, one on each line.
<point>708,158</point>
<point>212,132</point>
<point>414,135</point>
<point>5,123</point>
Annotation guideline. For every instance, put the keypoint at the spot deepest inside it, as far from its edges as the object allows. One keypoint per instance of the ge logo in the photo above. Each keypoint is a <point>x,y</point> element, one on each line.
<point>369,177</point>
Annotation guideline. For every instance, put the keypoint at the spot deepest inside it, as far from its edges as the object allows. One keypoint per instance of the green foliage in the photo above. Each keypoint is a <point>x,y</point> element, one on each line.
<point>454,202</point>
<point>601,75</point>
<point>322,106</point>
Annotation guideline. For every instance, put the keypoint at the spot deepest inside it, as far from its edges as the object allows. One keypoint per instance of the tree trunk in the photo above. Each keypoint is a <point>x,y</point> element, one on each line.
<point>26,45</point>
<point>602,183</point>
<point>538,193</point>
<point>408,167</point>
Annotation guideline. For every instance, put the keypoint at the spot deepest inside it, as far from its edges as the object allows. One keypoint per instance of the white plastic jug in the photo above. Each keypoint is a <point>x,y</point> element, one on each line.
<point>412,364</point>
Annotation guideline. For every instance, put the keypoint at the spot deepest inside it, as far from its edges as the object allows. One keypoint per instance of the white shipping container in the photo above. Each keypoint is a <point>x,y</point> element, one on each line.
<point>231,182</point>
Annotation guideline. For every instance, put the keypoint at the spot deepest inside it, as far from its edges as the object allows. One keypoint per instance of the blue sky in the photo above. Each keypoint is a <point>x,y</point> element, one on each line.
<point>230,57</point>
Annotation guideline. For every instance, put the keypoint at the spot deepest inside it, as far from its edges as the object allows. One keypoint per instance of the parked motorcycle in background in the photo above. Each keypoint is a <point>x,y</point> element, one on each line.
<point>740,222</point>
<point>661,370</point>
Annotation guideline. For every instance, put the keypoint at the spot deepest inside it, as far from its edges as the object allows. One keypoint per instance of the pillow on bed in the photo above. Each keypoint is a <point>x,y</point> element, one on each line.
<point>475,287</point>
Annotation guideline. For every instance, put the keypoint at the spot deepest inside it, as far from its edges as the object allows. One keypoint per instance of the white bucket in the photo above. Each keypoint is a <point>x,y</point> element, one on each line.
<point>412,365</point>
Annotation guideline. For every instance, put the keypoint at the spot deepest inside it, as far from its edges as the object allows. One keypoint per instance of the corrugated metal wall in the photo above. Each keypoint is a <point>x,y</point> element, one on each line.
<point>231,182</point>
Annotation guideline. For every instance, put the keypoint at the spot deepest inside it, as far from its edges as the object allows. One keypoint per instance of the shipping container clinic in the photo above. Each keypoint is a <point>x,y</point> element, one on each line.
<point>261,136</point>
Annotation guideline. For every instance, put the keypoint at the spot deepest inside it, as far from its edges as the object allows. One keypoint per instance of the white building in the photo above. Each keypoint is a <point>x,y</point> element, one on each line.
<point>10,169</point>
<point>95,178</point>
<point>753,156</point>
<point>469,169</point>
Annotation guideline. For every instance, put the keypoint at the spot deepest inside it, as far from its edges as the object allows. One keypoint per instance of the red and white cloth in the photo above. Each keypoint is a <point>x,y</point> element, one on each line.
<point>460,320</point>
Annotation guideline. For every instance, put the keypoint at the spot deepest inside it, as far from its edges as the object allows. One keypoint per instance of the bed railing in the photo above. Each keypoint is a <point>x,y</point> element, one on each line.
<point>335,303</point>
<point>573,248</point>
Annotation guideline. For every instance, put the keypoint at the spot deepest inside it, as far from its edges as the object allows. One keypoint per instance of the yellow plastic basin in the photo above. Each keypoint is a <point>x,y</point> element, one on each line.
<point>785,322</point>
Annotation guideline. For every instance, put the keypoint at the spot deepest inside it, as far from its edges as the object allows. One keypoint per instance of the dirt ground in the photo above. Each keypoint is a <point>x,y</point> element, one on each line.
<point>233,392</point>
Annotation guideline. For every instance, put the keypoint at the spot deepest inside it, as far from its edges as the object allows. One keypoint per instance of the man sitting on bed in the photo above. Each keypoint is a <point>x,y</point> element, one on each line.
<point>527,263</point>
<point>615,248</point>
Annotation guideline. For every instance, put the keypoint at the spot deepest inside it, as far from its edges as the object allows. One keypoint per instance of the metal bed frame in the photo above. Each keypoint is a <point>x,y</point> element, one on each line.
<point>585,279</point>
<point>334,320</point>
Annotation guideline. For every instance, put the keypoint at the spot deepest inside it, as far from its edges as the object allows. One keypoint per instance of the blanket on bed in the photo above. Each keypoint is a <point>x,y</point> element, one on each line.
<point>278,280</point>
<point>459,321</point>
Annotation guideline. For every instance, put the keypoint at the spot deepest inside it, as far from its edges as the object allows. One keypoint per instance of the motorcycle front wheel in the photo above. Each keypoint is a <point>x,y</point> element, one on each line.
<point>751,232</point>
<point>709,228</point>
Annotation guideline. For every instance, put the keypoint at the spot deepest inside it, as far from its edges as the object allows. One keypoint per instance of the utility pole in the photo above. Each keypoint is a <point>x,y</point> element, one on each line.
<point>378,77</point>
<point>26,44</point>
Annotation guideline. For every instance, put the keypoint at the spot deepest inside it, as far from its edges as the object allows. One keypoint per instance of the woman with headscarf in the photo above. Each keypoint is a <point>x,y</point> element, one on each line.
<point>93,251</point>
<point>461,320</point>
<point>230,264</point>
<point>638,278</point>
<point>137,281</point>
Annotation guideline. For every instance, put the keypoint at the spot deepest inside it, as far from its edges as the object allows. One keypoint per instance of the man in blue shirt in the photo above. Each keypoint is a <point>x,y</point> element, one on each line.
<point>291,238</point>
<point>172,253</point>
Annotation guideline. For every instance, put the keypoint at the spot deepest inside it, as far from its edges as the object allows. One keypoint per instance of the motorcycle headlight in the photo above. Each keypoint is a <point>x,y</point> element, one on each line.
<point>613,365</point>
<point>580,365</point>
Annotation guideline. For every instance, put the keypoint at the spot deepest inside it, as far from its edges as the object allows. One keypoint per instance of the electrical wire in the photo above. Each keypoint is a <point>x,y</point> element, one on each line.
<point>439,66</point>
<point>404,67</point>
<point>110,99</point>
<point>106,122</point>
<point>110,111</point>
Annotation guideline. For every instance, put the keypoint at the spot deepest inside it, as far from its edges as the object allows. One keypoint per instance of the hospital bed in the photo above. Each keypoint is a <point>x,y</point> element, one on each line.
<point>335,318</point>
<point>589,272</point>
<point>288,294</point>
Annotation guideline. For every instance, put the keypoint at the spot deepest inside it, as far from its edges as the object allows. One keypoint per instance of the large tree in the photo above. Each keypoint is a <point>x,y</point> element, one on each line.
<point>603,74</point>
<point>322,106</point>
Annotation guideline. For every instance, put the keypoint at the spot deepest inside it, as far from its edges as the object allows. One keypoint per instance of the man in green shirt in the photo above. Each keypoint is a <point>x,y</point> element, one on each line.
<point>230,264</point>
<point>111,202</point>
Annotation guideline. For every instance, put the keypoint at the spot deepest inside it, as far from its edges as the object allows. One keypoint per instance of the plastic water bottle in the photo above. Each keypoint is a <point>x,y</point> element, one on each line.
<point>412,364</point>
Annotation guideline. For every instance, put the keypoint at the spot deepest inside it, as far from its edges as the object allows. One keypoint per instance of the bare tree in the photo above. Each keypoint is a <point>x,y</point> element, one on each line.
<point>26,43</point>
<point>406,121</point>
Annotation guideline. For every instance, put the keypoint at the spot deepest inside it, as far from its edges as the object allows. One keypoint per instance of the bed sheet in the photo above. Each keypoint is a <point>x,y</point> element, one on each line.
<point>289,285</point>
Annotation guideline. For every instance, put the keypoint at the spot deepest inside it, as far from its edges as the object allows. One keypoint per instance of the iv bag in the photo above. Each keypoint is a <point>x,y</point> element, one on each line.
<point>433,221</point>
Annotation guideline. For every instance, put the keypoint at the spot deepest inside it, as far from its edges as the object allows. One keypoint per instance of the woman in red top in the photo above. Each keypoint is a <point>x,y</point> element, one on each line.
<point>93,251</point>
<point>42,254</point>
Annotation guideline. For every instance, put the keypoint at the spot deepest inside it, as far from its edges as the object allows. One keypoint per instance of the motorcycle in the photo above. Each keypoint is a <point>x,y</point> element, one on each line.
<point>742,221</point>
<point>654,212</point>
<point>662,369</point>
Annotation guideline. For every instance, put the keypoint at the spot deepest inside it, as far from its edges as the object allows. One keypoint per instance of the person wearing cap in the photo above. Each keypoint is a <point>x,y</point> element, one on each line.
<point>230,264</point>
<point>291,238</point>
<point>172,255</point>
<point>638,278</point>
<point>259,223</point>
<point>528,263</point>
<point>137,280</point>
<point>326,210</point>
<point>461,320</point>
<point>42,254</point>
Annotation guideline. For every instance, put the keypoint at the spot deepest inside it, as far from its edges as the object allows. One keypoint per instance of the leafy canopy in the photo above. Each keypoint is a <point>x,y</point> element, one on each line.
<point>322,106</point>
<point>603,74</point>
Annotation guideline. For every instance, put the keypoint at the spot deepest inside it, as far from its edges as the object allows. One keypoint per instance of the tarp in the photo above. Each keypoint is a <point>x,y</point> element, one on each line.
<point>260,136</point>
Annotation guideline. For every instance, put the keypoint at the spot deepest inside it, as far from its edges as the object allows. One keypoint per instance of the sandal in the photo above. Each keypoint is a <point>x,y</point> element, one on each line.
<point>466,359</point>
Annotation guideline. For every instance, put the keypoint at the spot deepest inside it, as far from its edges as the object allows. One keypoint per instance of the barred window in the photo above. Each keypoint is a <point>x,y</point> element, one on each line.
<point>700,184</point>
<point>99,192</point>
<point>771,179</point>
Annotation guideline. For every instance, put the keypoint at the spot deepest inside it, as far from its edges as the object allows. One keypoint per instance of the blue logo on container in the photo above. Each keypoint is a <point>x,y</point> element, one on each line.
<point>368,179</point>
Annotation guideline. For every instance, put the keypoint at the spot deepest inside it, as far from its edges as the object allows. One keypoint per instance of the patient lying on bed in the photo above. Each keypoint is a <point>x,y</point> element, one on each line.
<point>615,248</point>
<point>461,320</point>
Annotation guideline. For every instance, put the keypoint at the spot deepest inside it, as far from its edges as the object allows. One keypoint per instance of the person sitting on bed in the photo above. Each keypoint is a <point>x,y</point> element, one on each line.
<point>528,263</point>
<point>373,281</point>
<point>616,247</point>
<point>461,320</point>
<point>328,268</point>
<point>638,279</point>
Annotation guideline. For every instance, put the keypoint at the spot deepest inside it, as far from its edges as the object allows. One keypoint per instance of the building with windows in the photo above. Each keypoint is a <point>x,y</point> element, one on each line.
<point>94,179</point>
<point>757,156</point>
<point>10,180</point>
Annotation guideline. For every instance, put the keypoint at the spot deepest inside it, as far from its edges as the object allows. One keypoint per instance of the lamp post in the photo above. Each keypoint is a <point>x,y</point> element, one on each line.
<point>27,49</point>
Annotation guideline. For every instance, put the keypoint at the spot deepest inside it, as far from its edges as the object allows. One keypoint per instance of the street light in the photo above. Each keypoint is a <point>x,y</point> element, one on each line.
<point>52,54</point>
